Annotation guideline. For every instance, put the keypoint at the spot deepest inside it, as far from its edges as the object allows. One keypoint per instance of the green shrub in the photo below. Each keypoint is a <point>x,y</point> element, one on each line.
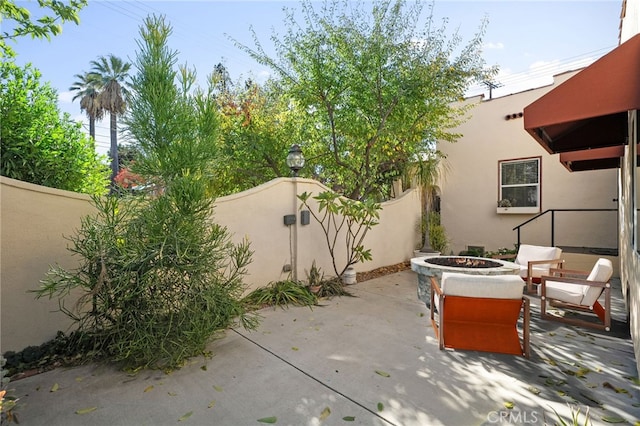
<point>157,277</point>
<point>333,287</point>
<point>280,293</point>
<point>157,280</point>
<point>8,402</point>
<point>437,233</point>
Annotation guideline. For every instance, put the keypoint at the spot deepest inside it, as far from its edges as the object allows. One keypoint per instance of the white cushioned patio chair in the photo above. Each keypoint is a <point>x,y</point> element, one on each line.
<point>535,261</point>
<point>579,291</point>
<point>480,313</point>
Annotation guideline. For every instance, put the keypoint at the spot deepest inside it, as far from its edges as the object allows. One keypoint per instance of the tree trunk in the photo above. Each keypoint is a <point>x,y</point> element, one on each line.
<point>114,151</point>
<point>92,128</point>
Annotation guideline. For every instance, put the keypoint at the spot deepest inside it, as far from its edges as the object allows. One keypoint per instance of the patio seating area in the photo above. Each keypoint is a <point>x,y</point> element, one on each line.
<point>372,359</point>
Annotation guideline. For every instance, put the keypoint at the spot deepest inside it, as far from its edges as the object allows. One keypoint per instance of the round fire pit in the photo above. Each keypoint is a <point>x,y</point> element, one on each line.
<point>462,262</point>
<point>427,267</point>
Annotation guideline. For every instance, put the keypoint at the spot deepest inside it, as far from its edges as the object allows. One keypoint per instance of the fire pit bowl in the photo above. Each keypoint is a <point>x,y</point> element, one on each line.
<point>427,267</point>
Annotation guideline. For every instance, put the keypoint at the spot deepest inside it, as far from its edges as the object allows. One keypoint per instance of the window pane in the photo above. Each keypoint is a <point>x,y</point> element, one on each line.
<point>521,196</point>
<point>519,172</point>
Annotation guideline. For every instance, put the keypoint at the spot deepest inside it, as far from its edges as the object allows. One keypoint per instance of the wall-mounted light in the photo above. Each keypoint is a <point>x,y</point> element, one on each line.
<point>295,159</point>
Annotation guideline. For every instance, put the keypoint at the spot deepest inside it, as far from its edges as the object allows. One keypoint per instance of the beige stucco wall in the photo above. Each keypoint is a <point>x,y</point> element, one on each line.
<point>35,219</point>
<point>33,222</point>
<point>470,188</point>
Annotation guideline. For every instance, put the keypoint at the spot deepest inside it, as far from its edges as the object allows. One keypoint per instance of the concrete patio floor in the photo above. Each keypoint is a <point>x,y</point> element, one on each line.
<point>369,360</point>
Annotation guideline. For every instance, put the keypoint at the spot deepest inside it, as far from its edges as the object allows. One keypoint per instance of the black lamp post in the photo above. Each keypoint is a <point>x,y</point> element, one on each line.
<point>295,159</point>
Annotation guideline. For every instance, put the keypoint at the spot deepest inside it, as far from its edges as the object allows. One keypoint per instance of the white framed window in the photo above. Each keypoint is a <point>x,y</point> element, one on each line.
<point>519,186</point>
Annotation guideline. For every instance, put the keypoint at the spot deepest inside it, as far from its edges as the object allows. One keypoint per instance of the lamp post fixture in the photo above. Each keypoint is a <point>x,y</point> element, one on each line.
<point>295,159</point>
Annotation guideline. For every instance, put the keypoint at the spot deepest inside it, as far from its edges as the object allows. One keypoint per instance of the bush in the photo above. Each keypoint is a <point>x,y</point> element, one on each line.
<point>280,293</point>
<point>157,280</point>
<point>437,233</point>
<point>39,145</point>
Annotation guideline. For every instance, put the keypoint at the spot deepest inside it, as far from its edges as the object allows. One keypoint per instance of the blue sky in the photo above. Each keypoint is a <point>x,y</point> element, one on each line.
<point>529,40</point>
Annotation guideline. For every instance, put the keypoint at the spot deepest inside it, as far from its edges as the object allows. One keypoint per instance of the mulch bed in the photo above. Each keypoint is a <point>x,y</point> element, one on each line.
<point>380,272</point>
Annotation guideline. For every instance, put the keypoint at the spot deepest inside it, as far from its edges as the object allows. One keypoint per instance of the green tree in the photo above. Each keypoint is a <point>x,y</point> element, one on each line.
<point>17,21</point>
<point>258,129</point>
<point>158,278</point>
<point>377,81</point>
<point>39,145</point>
<point>87,89</point>
<point>112,73</point>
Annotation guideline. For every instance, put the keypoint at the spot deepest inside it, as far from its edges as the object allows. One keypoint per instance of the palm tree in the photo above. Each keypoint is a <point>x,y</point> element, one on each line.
<point>426,173</point>
<point>87,88</point>
<point>112,74</point>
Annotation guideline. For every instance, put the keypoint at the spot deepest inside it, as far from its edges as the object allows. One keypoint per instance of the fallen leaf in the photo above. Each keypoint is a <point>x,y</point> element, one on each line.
<point>203,368</point>
<point>217,388</point>
<point>383,373</point>
<point>325,413</point>
<point>55,387</point>
<point>185,416</point>
<point>172,393</point>
<point>380,406</point>
<point>590,398</point>
<point>270,420</point>
<point>148,388</point>
<point>293,348</point>
<point>349,418</point>
<point>635,380</point>
<point>211,404</point>
<point>534,390</point>
<point>86,410</point>
<point>509,405</point>
<point>582,371</point>
<point>611,419</point>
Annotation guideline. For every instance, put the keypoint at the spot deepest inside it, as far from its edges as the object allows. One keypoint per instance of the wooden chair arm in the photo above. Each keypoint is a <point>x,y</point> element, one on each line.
<point>573,280</point>
<point>544,262</point>
<point>561,272</point>
<point>435,286</point>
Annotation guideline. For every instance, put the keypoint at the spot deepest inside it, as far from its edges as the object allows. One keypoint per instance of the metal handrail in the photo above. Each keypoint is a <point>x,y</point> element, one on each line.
<point>553,218</point>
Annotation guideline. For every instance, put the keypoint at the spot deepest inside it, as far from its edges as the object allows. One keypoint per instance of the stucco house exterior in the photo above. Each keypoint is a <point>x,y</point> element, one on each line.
<point>577,146</point>
<point>496,159</point>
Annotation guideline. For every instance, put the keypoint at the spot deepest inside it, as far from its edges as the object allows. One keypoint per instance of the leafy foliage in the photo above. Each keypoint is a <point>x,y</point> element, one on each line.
<point>376,83</point>
<point>44,27</point>
<point>157,278</point>
<point>342,217</point>
<point>258,128</point>
<point>437,232</point>
<point>332,287</point>
<point>280,293</point>
<point>38,144</point>
<point>8,402</point>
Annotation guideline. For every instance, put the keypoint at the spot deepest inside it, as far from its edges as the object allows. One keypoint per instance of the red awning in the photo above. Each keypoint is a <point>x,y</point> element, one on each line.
<point>589,110</point>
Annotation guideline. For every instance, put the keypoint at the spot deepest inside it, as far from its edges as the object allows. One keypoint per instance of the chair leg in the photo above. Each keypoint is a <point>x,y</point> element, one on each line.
<point>525,327</point>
